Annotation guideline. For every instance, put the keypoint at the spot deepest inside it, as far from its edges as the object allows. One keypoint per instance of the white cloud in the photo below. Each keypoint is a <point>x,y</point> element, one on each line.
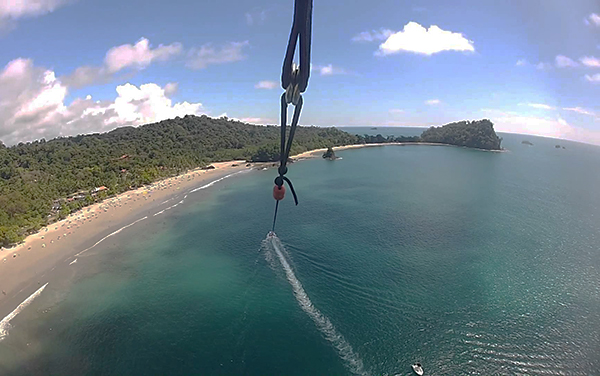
<point>521,62</point>
<point>539,106</point>
<point>256,120</point>
<point>432,102</point>
<point>556,126</point>
<point>207,54</point>
<point>146,104</point>
<point>139,55</point>
<point>396,111</point>
<point>415,38</point>
<point>593,18</point>
<point>580,110</point>
<point>12,10</point>
<point>33,106</point>
<point>562,61</point>
<point>171,88</point>
<point>328,70</point>
<point>266,85</point>
<point>593,78</point>
<point>590,61</point>
<point>370,36</point>
<point>543,66</point>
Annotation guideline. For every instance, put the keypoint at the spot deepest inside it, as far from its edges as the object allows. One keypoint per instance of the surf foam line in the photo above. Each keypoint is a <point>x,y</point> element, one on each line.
<point>216,181</point>
<point>351,359</point>
<point>111,234</point>
<point>5,323</point>
<point>169,208</point>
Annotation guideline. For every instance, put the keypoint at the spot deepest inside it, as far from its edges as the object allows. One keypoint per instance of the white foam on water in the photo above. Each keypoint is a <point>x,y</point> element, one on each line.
<point>164,202</point>
<point>111,234</point>
<point>216,181</point>
<point>5,323</point>
<point>344,349</point>
<point>72,262</point>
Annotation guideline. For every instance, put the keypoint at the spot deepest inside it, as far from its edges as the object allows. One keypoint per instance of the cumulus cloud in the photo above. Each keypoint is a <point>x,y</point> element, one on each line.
<point>593,78</point>
<point>562,61</point>
<point>328,70</point>
<point>579,110</point>
<point>266,85</point>
<point>139,55</point>
<point>200,58</point>
<point>550,126</point>
<point>125,56</point>
<point>10,11</point>
<point>590,61</point>
<point>417,39</point>
<point>593,19</point>
<point>370,36</point>
<point>34,107</point>
<point>432,102</point>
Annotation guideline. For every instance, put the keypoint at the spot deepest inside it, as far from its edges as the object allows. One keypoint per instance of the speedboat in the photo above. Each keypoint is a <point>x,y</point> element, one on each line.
<point>418,369</point>
<point>270,234</point>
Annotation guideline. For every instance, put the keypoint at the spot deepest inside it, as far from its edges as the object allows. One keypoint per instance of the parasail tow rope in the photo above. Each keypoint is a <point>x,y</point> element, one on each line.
<point>294,80</point>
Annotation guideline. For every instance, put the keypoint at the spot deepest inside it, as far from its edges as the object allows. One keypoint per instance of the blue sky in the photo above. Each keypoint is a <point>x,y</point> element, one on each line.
<point>81,66</point>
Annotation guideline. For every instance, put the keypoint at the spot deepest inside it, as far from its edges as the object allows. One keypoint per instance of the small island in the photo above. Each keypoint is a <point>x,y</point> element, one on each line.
<point>330,154</point>
<point>557,146</point>
<point>525,142</point>
<point>477,134</point>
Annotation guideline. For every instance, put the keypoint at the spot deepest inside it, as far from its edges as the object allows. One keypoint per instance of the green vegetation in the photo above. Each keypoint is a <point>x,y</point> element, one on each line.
<point>36,178</point>
<point>47,180</point>
<point>478,134</point>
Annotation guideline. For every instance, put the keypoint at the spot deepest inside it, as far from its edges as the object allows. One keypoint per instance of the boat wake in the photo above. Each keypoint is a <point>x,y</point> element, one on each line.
<point>272,245</point>
<point>5,323</point>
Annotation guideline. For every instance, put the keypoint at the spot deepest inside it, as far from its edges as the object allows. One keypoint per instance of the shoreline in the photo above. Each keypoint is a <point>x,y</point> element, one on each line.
<point>23,266</point>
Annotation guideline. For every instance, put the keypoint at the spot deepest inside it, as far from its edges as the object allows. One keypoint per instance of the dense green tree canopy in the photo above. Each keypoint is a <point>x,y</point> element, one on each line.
<point>33,176</point>
<point>474,134</point>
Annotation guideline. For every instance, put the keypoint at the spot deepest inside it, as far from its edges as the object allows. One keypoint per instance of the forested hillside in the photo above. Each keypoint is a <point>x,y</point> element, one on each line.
<point>478,134</point>
<point>34,175</point>
<point>36,178</point>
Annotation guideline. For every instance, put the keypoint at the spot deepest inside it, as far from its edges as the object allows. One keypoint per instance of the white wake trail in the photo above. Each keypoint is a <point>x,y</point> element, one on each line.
<point>5,323</point>
<point>344,349</point>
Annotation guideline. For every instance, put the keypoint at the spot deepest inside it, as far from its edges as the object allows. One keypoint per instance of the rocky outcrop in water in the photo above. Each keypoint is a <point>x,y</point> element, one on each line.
<point>330,154</point>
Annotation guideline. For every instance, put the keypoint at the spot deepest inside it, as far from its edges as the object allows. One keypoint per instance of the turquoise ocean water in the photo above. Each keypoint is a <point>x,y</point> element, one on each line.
<point>469,262</point>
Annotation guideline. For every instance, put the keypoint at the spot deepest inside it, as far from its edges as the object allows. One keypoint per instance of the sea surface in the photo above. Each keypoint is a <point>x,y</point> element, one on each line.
<point>469,262</point>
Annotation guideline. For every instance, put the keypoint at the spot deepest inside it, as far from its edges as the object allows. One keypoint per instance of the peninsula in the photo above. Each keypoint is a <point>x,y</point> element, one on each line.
<point>43,182</point>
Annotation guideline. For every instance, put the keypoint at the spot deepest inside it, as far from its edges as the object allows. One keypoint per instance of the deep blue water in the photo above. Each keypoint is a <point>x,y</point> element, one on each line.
<point>468,262</point>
